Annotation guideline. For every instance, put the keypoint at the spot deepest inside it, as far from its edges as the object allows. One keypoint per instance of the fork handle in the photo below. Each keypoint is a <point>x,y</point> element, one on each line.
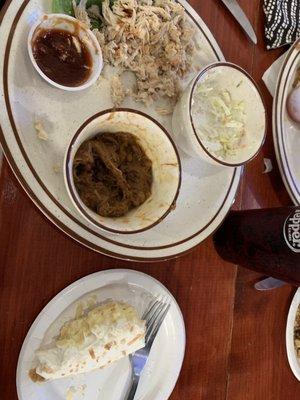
<point>132,390</point>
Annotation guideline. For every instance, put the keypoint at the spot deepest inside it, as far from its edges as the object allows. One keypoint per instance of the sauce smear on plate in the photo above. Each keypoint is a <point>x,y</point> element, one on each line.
<point>62,56</point>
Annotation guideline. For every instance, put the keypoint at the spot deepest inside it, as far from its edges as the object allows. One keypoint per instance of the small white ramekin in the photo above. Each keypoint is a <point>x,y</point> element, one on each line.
<point>69,24</point>
<point>184,130</point>
<point>166,168</point>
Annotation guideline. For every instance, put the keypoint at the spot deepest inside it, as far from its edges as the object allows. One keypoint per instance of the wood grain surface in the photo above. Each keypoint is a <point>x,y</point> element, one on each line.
<point>235,335</point>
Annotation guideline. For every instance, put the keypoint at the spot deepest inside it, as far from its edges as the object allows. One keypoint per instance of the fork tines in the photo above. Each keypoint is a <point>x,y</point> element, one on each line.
<point>154,316</point>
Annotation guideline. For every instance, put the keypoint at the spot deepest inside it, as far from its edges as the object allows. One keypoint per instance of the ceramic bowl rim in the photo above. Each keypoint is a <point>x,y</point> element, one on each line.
<point>191,95</point>
<point>68,179</point>
<point>92,79</point>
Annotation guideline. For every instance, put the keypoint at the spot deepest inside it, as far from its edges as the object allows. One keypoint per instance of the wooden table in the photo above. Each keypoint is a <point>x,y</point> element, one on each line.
<point>235,335</point>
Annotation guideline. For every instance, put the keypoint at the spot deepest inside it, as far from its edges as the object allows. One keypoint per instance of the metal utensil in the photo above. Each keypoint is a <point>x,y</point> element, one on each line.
<point>154,316</point>
<point>235,9</point>
<point>269,284</point>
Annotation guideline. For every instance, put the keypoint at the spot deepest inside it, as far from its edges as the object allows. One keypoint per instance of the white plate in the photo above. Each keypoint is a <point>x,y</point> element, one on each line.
<point>286,133</point>
<point>290,348</point>
<point>164,364</point>
<point>206,194</point>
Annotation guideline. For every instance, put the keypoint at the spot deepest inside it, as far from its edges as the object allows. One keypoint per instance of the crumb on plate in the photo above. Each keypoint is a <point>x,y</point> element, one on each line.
<point>40,131</point>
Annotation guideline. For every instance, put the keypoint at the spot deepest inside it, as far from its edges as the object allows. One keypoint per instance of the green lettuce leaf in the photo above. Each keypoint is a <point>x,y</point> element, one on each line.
<point>66,7</point>
<point>62,7</point>
<point>96,23</point>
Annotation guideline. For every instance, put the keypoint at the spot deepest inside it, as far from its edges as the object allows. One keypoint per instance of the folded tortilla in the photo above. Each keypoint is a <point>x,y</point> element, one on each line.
<point>105,334</point>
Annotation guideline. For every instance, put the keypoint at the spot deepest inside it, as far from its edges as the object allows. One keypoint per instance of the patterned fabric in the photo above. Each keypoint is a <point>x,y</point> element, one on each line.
<point>282,22</point>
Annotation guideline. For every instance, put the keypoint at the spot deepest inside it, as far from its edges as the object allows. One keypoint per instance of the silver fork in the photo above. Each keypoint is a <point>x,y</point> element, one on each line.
<point>154,317</point>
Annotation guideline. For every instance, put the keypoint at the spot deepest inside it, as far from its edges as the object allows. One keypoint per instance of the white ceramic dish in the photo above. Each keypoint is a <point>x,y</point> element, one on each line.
<point>164,364</point>
<point>68,24</point>
<point>206,193</point>
<point>286,133</point>
<point>290,348</point>
<point>228,77</point>
<point>166,168</point>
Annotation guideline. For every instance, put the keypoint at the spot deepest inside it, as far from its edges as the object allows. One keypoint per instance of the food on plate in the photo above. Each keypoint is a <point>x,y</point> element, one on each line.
<point>293,104</point>
<point>297,333</point>
<point>164,110</point>
<point>137,170</point>
<point>104,334</point>
<point>40,131</point>
<point>117,90</point>
<point>56,168</point>
<point>293,101</point>
<point>62,56</point>
<point>74,391</point>
<point>112,173</point>
<point>218,117</point>
<point>151,38</point>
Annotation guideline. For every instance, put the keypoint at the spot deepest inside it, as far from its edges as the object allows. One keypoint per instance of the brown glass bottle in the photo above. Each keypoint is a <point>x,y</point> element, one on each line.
<point>266,240</point>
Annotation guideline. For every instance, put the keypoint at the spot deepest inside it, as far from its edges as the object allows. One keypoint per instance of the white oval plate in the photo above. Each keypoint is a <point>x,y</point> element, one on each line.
<point>286,133</point>
<point>290,348</point>
<point>206,194</point>
<point>164,364</point>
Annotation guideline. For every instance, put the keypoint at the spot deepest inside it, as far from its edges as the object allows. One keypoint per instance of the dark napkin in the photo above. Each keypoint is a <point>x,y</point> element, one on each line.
<point>282,24</point>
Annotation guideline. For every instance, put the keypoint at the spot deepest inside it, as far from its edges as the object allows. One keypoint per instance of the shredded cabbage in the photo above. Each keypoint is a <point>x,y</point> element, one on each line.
<point>219,119</point>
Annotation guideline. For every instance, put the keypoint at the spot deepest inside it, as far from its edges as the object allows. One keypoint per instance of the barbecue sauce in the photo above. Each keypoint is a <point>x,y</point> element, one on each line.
<point>62,57</point>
